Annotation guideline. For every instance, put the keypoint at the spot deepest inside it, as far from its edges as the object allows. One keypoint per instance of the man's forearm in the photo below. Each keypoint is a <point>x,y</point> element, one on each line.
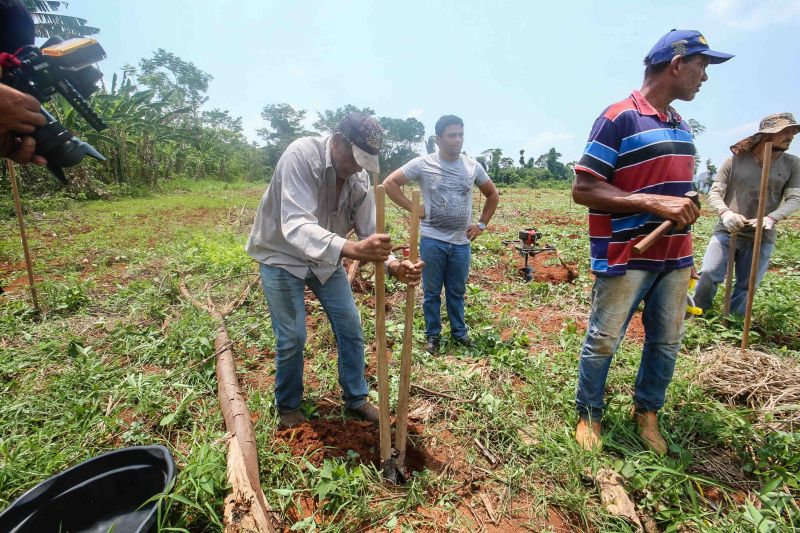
<point>790,205</point>
<point>601,195</point>
<point>396,195</point>
<point>489,208</point>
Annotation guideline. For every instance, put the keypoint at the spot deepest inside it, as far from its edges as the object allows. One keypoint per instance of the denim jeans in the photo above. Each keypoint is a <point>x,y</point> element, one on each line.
<point>614,300</point>
<point>445,265</point>
<point>715,265</point>
<point>285,298</point>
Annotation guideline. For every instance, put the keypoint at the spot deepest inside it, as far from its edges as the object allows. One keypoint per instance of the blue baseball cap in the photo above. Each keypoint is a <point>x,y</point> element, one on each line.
<point>683,43</point>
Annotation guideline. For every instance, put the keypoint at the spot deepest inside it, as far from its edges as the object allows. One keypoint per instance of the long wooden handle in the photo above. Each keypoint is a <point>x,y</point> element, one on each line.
<point>408,335</point>
<point>645,244</point>
<point>380,334</point>
<point>762,205</point>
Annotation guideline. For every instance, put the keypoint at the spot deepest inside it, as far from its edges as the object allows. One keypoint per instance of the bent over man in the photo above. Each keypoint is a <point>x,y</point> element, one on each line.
<point>734,195</point>
<point>319,192</point>
<point>634,172</point>
<point>446,180</point>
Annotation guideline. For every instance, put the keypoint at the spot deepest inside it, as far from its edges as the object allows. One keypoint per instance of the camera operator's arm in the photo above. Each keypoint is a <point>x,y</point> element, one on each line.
<point>19,112</point>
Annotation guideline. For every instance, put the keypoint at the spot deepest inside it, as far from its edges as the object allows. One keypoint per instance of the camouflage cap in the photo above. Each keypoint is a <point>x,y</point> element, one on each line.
<point>365,135</point>
<point>770,124</point>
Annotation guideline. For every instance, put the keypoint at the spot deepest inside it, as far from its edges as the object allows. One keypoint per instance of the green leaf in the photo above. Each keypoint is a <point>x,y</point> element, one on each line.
<point>771,485</point>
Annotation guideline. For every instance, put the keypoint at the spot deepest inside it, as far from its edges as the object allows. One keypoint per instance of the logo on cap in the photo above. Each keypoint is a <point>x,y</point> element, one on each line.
<point>679,47</point>
<point>373,139</point>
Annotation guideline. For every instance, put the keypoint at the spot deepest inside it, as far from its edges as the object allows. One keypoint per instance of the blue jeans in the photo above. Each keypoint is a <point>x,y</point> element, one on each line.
<point>284,293</point>
<point>614,300</point>
<point>715,265</point>
<point>445,265</point>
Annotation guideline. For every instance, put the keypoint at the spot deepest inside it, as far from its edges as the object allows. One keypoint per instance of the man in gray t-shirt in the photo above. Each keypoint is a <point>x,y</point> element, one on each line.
<point>445,179</point>
<point>734,195</point>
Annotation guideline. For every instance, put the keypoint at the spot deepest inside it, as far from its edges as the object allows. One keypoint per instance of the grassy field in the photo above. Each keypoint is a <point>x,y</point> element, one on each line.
<point>118,358</point>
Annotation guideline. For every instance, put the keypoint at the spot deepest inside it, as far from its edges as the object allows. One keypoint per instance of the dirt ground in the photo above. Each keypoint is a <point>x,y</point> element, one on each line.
<point>429,446</point>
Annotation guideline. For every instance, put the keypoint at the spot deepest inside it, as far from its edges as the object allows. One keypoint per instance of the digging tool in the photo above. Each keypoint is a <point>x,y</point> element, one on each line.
<point>527,246</point>
<point>401,420</point>
<point>726,306</point>
<point>645,244</point>
<point>762,201</point>
<point>380,340</point>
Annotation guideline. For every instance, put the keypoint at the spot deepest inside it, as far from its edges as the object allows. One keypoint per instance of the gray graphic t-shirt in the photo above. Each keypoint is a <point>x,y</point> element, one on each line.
<point>446,188</point>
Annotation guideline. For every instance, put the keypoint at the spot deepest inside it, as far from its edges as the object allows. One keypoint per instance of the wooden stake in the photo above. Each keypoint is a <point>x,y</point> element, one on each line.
<point>18,208</point>
<point>762,201</point>
<point>726,307</point>
<point>408,334</point>
<point>380,333</point>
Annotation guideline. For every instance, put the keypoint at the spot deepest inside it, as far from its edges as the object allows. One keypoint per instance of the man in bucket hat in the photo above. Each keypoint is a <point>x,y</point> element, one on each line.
<point>635,169</point>
<point>734,195</point>
<point>319,193</point>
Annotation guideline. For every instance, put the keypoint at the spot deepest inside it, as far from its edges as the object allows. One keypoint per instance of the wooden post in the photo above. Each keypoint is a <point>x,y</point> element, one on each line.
<point>380,333</point>
<point>726,306</point>
<point>766,162</point>
<point>408,339</point>
<point>12,175</point>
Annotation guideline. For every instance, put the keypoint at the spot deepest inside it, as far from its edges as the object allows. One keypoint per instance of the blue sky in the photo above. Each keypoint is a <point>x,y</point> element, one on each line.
<point>521,74</point>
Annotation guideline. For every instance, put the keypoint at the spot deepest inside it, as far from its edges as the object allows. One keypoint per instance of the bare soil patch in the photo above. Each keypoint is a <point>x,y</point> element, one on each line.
<point>326,438</point>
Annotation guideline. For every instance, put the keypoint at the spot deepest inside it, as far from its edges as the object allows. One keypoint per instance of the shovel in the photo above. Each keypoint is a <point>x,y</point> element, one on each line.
<point>392,460</point>
<point>401,428</point>
<point>387,461</point>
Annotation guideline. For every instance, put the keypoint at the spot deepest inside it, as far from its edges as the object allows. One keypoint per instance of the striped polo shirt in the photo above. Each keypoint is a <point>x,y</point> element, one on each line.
<point>638,150</point>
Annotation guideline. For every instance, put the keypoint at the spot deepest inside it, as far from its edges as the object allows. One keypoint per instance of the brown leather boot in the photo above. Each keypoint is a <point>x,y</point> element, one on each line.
<point>587,434</point>
<point>647,422</point>
<point>366,412</point>
<point>291,419</point>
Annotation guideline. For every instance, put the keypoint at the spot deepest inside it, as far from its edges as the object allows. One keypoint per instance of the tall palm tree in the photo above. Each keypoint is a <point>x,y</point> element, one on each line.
<point>49,23</point>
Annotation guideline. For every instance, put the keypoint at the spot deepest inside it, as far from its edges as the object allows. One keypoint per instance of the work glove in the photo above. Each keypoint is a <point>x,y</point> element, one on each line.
<point>768,223</point>
<point>733,221</point>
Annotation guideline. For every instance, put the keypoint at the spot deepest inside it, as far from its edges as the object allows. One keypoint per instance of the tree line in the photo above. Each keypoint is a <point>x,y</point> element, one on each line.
<point>160,131</point>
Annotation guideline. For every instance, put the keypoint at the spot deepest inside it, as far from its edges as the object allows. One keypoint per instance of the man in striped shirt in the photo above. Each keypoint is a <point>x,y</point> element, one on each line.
<point>637,165</point>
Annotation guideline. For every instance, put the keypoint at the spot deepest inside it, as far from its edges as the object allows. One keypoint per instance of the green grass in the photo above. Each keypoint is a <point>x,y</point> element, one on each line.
<point>118,358</point>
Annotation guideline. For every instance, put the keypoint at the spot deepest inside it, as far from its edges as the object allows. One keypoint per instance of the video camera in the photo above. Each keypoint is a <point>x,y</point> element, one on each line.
<point>67,68</point>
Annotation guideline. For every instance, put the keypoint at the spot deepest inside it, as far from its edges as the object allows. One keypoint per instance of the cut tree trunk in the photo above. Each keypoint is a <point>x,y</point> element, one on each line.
<point>246,508</point>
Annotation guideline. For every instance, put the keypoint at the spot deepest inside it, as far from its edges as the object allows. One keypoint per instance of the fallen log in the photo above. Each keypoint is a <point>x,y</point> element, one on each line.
<point>246,508</point>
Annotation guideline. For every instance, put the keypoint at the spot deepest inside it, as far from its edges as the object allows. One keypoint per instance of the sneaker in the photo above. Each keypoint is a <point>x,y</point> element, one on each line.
<point>463,341</point>
<point>291,419</point>
<point>647,423</point>
<point>432,345</point>
<point>587,435</point>
<point>366,412</point>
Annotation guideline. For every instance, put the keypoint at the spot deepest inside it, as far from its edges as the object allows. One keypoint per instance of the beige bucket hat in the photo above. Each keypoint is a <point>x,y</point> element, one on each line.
<point>770,124</point>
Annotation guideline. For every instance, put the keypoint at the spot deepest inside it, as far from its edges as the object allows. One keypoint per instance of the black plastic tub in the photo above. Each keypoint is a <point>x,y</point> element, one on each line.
<point>106,493</point>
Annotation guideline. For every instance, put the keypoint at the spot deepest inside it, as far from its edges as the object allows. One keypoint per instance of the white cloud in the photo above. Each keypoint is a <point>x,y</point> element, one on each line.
<point>415,113</point>
<point>749,15</point>
<point>545,140</point>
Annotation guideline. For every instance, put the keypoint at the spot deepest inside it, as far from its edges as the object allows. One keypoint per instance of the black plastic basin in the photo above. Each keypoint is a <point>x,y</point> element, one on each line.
<point>108,492</point>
